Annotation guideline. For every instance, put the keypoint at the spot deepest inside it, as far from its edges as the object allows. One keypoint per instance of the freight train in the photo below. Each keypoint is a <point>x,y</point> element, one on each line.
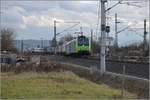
<point>79,46</point>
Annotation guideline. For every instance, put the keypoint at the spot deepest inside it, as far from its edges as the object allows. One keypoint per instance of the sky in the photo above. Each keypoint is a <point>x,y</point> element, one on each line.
<point>35,19</point>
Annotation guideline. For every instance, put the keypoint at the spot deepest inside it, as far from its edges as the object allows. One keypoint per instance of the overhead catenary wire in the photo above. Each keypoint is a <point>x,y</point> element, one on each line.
<point>136,32</point>
<point>119,2</point>
<point>68,28</point>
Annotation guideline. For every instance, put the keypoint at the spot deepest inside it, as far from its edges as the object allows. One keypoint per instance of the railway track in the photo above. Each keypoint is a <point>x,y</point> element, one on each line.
<point>140,70</point>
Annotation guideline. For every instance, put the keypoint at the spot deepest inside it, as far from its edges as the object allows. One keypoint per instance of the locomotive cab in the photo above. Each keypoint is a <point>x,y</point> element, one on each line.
<point>83,45</point>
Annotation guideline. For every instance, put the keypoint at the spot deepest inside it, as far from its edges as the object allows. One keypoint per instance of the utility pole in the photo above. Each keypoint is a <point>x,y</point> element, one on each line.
<point>55,42</point>
<point>91,41</point>
<point>103,37</point>
<point>116,34</point>
<point>145,33</point>
<point>81,32</point>
<point>22,46</point>
<point>42,43</point>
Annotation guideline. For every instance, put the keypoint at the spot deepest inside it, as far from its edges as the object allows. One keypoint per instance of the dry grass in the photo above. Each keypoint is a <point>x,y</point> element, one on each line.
<point>54,85</point>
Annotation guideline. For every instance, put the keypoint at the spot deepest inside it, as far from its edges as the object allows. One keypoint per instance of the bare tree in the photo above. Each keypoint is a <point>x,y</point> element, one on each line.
<point>7,40</point>
<point>67,38</point>
<point>95,47</point>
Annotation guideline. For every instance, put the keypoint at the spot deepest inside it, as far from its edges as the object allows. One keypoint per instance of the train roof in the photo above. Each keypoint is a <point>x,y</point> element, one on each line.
<point>82,36</point>
<point>75,39</point>
<point>70,41</point>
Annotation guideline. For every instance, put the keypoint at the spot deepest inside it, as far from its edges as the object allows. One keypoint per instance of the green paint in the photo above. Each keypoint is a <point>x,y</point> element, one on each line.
<point>83,48</point>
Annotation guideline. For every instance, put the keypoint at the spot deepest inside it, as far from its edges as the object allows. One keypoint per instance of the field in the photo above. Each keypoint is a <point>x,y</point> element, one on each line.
<point>54,85</point>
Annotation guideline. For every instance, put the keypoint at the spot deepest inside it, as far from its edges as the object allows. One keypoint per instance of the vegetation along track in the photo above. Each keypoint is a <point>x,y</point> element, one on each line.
<point>140,70</point>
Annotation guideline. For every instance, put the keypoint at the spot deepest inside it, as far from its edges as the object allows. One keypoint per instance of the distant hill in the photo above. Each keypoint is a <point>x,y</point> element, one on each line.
<point>29,44</point>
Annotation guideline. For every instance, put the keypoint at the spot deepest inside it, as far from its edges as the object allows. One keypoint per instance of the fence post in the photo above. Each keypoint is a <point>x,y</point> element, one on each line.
<point>123,81</point>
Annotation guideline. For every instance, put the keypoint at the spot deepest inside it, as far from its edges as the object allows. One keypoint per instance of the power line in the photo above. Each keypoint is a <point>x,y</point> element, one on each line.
<point>119,2</point>
<point>67,28</point>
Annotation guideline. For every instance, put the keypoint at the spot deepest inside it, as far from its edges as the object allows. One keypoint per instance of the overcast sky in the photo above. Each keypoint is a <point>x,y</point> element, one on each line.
<point>34,19</point>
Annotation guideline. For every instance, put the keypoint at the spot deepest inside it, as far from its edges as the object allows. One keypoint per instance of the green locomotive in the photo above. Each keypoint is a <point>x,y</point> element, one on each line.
<point>79,46</point>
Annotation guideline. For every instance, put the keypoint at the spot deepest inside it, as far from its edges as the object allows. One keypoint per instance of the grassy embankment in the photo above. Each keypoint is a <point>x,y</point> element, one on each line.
<point>54,85</point>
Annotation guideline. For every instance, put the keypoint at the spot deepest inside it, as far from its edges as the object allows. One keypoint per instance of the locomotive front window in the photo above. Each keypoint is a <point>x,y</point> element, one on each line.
<point>83,41</point>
